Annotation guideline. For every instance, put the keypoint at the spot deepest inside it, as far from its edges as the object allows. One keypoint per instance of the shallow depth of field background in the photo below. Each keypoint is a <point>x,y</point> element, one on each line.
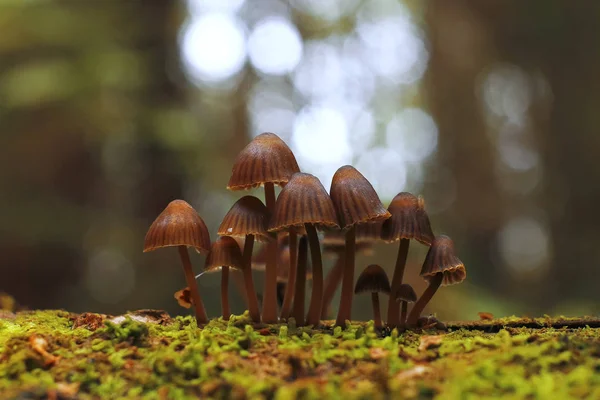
<point>489,109</point>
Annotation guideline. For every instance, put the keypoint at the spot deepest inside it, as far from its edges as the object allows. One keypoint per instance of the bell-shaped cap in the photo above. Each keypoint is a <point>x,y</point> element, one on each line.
<point>224,252</point>
<point>354,198</point>
<point>441,259</point>
<point>303,200</point>
<point>265,159</point>
<point>372,279</point>
<point>406,293</point>
<point>178,225</point>
<point>409,220</point>
<point>247,216</point>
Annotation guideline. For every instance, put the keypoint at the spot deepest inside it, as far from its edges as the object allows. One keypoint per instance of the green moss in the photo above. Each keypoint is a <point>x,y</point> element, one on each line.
<point>46,352</point>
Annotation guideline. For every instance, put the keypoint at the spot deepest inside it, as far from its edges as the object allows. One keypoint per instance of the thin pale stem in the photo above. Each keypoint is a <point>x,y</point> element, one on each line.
<point>225,293</point>
<point>332,281</point>
<point>345,310</point>
<point>427,295</point>
<point>201,317</point>
<point>269,313</point>
<point>393,305</point>
<point>298,309</point>
<point>376,310</point>
<point>314,309</point>
<point>404,311</point>
<point>247,270</point>
<point>286,308</point>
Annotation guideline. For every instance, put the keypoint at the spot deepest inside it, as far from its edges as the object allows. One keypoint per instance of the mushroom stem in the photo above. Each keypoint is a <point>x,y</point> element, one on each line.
<point>298,310</point>
<point>332,281</point>
<point>286,308</point>
<point>345,310</point>
<point>247,270</point>
<point>376,310</point>
<point>201,317</point>
<point>314,309</point>
<point>415,313</point>
<point>393,305</point>
<point>269,312</point>
<point>225,292</point>
<point>403,315</point>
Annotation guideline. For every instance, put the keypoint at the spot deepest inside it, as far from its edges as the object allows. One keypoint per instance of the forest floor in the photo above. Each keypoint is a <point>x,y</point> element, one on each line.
<point>148,354</point>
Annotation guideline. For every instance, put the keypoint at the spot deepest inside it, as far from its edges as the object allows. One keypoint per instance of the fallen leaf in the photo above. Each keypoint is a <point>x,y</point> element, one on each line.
<point>412,373</point>
<point>39,345</point>
<point>485,316</point>
<point>377,353</point>
<point>184,297</point>
<point>428,342</point>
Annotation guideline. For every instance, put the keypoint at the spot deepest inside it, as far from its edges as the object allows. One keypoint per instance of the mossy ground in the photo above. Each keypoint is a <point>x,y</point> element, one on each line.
<point>55,354</point>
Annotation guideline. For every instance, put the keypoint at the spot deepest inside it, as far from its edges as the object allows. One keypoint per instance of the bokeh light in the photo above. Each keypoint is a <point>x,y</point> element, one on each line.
<point>110,277</point>
<point>385,169</point>
<point>524,245</point>
<point>413,134</point>
<point>275,46</point>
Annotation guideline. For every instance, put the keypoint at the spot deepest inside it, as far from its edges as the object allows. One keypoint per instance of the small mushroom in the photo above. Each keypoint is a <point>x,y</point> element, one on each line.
<point>267,161</point>
<point>224,254</point>
<point>441,268</point>
<point>405,294</point>
<point>373,280</point>
<point>180,225</point>
<point>247,218</point>
<point>304,203</point>
<point>299,290</point>
<point>355,202</point>
<point>408,221</point>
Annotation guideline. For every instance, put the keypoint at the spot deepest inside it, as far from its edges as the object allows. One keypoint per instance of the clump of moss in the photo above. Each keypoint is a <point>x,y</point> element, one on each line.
<point>46,353</point>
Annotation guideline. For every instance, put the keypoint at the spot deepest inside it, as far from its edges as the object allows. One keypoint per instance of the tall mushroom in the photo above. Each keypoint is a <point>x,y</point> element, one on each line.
<point>441,268</point>
<point>356,202</point>
<point>298,307</point>
<point>180,225</point>
<point>247,218</point>
<point>333,243</point>
<point>267,161</point>
<point>405,294</point>
<point>408,221</point>
<point>304,203</point>
<point>373,280</point>
<point>224,254</point>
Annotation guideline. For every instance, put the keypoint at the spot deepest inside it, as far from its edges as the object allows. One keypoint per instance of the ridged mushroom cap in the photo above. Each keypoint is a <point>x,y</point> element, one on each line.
<point>247,216</point>
<point>354,198</point>
<point>441,258</point>
<point>409,220</point>
<point>406,293</point>
<point>303,200</point>
<point>224,252</point>
<point>265,159</point>
<point>178,225</point>
<point>372,279</point>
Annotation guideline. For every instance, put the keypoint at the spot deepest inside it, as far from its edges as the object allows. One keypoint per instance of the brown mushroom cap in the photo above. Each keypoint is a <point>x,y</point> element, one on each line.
<point>354,198</point>
<point>224,252</point>
<point>178,225</point>
<point>247,216</point>
<point>406,293</point>
<point>265,159</point>
<point>442,259</point>
<point>372,279</point>
<point>409,220</point>
<point>303,200</point>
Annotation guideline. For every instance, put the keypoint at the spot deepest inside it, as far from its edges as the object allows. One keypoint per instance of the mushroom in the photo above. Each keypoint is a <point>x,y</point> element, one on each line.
<point>180,225</point>
<point>441,268</point>
<point>247,218</point>
<point>298,307</point>
<point>373,280</point>
<point>405,294</point>
<point>333,242</point>
<point>408,221</point>
<point>356,202</point>
<point>267,161</point>
<point>304,202</point>
<point>224,253</point>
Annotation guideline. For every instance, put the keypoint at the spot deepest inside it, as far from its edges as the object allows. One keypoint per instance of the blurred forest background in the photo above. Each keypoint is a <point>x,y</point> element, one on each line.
<point>110,109</point>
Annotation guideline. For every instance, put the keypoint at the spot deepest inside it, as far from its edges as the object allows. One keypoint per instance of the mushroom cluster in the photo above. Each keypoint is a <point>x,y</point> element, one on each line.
<point>352,218</point>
